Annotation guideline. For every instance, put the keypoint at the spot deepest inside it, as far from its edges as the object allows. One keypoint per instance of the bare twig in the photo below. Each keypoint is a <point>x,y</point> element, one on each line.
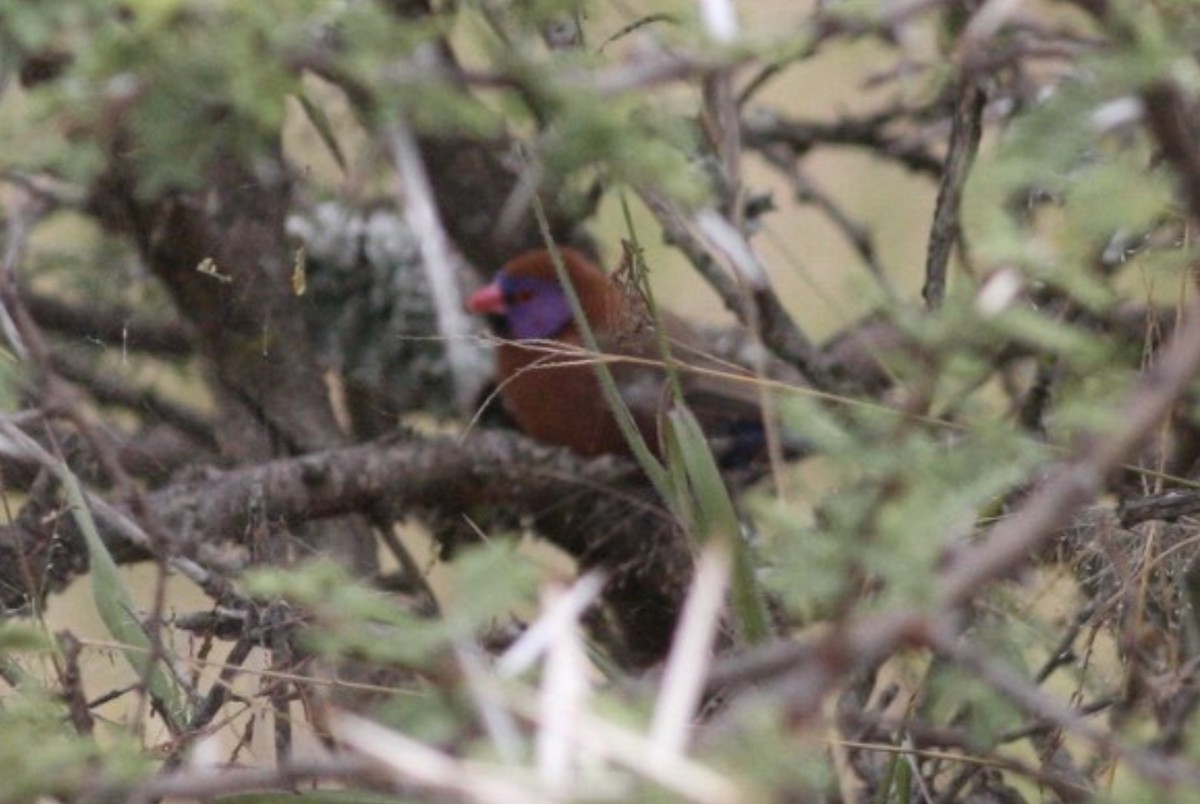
<point>1048,708</point>
<point>967,128</point>
<point>762,130</point>
<point>778,331</point>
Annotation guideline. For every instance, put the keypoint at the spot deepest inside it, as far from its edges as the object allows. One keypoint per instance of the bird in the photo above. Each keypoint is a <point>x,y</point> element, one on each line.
<point>547,382</point>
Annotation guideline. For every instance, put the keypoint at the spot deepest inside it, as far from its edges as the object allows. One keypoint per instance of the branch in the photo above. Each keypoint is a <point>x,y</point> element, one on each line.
<point>967,128</point>
<point>1168,118</point>
<point>107,390</point>
<point>108,325</point>
<point>601,512</point>
<point>201,782</point>
<point>776,328</point>
<point>1167,507</point>
<point>763,130</point>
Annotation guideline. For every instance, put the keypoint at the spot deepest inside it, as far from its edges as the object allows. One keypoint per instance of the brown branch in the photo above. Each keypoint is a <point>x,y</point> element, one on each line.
<point>803,672</point>
<point>107,390</point>
<point>601,512</point>
<point>1166,507</point>
<point>1169,118</point>
<point>967,128</point>
<point>808,670</point>
<point>777,330</point>
<point>764,130</point>
<point>116,326</point>
<point>269,393</point>
<point>30,344</point>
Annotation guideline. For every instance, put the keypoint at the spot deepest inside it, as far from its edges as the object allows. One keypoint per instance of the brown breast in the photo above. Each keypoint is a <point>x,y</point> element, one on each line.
<point>557,399</point>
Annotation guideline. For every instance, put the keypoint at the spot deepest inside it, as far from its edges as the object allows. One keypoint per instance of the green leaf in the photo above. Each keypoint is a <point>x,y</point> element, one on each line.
<point>116,607</point>
<point>716,518</point>
<point>716,515</point>
<point>20,637</point>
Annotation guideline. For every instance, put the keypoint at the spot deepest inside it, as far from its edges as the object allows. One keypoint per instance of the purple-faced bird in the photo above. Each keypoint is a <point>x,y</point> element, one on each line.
<point>548,384</point>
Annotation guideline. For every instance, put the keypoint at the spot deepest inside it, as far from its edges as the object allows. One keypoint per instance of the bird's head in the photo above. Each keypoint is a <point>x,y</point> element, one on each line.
<point>527,296</point>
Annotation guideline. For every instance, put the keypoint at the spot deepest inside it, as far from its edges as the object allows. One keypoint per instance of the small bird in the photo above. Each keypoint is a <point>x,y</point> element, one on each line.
<point>550,388</point>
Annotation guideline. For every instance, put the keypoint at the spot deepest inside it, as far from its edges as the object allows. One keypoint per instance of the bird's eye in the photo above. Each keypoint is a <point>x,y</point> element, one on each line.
<point>522,296</point>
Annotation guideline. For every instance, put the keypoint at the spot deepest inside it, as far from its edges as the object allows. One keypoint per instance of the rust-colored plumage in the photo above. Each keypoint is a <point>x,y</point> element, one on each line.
<point>548,384</point>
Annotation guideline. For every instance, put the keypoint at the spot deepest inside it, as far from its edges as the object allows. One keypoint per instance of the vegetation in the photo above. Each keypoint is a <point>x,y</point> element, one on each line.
<point>953,241</point>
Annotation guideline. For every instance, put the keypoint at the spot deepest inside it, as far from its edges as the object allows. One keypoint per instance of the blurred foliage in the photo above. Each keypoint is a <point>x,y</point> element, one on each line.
<point>356,621</point>
<point>41,755</point>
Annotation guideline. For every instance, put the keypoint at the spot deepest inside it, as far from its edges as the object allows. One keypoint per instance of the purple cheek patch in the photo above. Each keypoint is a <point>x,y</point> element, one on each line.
<point>543,314</point>
<point>541,317</point>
